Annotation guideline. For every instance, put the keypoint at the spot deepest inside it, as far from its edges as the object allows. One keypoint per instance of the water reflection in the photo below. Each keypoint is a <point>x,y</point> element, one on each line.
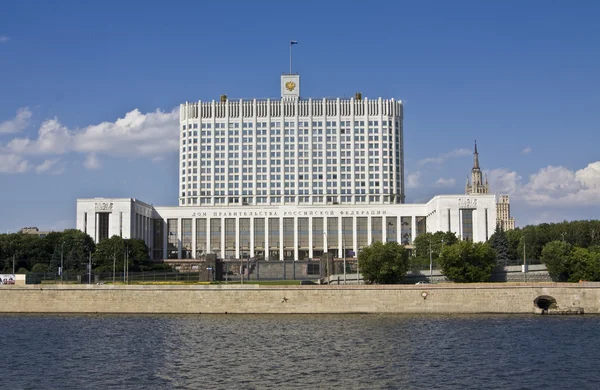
<point>290,351</point>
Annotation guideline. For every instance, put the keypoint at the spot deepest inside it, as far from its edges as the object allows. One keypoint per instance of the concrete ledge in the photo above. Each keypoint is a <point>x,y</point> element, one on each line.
<point>446,298</point>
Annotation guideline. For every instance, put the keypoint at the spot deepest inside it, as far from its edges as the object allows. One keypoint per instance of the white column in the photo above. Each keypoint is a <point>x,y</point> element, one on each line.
<point>413,233</point>
<point>384,228</point>
<point>179,238</point>
<point>208,247</point>
<point>296,241</point>
<point>193,238</point>
<point>310,236</point>
<point>164,237</point>
<point>476,227</point>
<point>340,237</point>
<point>96,228</point>
<point>266,249</point>
<point>369,230</point>
<point>354,237</point>
<point>252,252</point>
<point>223,238</point>
<point>238,243</point>
<point>281,246</point>
<point>324,235</point>
<point>380,155</point>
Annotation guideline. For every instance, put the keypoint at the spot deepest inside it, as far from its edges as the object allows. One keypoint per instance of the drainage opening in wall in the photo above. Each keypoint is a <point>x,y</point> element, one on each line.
<point>545,302</point>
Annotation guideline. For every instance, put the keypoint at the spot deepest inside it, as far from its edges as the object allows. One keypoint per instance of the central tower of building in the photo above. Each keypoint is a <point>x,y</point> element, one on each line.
<point>291,151</point>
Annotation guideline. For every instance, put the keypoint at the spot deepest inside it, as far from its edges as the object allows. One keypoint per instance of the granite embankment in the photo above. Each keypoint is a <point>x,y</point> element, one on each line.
<point>442,298</point>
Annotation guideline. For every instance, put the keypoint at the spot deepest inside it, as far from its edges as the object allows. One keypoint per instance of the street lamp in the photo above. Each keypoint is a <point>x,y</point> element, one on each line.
<point>430,263</point>
<point>62,249</point>
<point>114,261</point>
<point>344,251</point>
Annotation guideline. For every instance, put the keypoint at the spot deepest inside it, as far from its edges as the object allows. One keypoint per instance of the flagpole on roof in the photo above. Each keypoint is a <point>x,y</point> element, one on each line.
<point>292,43</point>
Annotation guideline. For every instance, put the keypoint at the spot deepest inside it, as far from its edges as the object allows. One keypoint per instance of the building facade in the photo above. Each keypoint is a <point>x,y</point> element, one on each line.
<point>291,151</point>
<point>289,178</point>
<point>282,232</point>
<point>477,185</point>
<point>504,220</point>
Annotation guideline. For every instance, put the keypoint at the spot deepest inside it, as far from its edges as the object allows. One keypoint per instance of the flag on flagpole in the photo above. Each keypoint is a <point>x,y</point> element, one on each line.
<point>293,42</point>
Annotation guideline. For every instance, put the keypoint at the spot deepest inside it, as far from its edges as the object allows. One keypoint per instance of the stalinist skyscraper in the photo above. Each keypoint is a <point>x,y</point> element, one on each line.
<point>477,186</point>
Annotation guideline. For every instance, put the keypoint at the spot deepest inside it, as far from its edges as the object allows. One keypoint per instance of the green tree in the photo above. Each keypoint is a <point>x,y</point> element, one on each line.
<point>383,263</point>
<point>75,247</point>
<point>499,243</point>
<point>556,257</point>
<point>467,262</point>
<point>39,268</point>
<point>112,251</point>
<point>584,265</point>
<point>514,237</point>
<point>422,242</point>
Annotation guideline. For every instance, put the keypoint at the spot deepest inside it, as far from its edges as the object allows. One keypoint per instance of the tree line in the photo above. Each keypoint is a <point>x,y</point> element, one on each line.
<point>570,251</point>
<point>73,248</point>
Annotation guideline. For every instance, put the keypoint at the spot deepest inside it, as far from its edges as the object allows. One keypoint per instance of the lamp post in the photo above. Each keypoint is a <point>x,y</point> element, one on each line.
<point>90,267</point>
<point>344,254</point>
<point>62,249</point>
<point>430,263</point>
<point>357,275</point>
<point>114,262</point>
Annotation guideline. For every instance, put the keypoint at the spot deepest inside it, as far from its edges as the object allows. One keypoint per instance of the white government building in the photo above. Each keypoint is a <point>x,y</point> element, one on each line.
<point>288,178</point>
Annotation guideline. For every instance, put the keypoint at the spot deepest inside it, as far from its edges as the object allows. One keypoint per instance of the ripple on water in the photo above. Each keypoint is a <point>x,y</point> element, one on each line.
<point>299,351</point>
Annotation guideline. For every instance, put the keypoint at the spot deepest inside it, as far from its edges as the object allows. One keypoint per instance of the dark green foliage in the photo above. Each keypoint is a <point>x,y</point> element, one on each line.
<point>566,263</point>
<point>75,247</point>
<point>582,234</point>
<point>468,262</point>
<point>111,252</point>
<point>499,243</point>
<point>438,240</point>
<point>40,268</point>
<point>514,238</point>
<point>584,265</point>
<point>383,263</point>
<point>555,256</point>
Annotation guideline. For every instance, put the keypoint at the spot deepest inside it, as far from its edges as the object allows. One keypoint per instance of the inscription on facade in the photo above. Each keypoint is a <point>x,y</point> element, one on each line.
<point>467,203</point>
<point>290,213</point>
<point>104,206</point>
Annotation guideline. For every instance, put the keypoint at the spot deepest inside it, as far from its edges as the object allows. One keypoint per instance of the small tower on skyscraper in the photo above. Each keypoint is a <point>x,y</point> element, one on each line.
<point>476,185</point>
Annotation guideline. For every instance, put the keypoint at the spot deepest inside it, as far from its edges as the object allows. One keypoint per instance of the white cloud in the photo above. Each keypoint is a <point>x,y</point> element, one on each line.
<point>50,166</point>
<point>91,162</point>
<point>551,186</point>
<point>527,150</point>
<point>441,182</point>
<point>413,180</point>
<point>135,134</point>
<point>152,135</point>
<point>4,38</point>
<point>18,123</point>
<point>13,163</point>
<point>445,156</point>
<point>503,181</point>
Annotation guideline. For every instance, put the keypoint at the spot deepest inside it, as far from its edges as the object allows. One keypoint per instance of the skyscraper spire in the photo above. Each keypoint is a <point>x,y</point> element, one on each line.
<point>476,185</point>
<point>475,157</point>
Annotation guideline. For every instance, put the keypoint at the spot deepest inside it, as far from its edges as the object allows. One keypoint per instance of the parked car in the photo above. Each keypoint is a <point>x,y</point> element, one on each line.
<point>422,282</point>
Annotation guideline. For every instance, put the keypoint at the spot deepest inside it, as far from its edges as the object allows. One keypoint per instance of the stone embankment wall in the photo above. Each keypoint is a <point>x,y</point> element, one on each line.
<point>449,298</point>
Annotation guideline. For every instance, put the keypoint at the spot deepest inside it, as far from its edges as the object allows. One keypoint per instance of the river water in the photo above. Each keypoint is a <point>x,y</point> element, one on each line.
<point>299,351</point>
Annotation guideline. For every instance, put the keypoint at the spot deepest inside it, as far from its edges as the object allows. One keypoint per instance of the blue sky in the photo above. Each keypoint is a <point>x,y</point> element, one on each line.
<point>88,92</point>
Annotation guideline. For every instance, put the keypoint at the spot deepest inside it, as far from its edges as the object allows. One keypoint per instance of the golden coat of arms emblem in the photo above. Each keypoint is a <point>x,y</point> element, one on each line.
<point>290,85</point>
